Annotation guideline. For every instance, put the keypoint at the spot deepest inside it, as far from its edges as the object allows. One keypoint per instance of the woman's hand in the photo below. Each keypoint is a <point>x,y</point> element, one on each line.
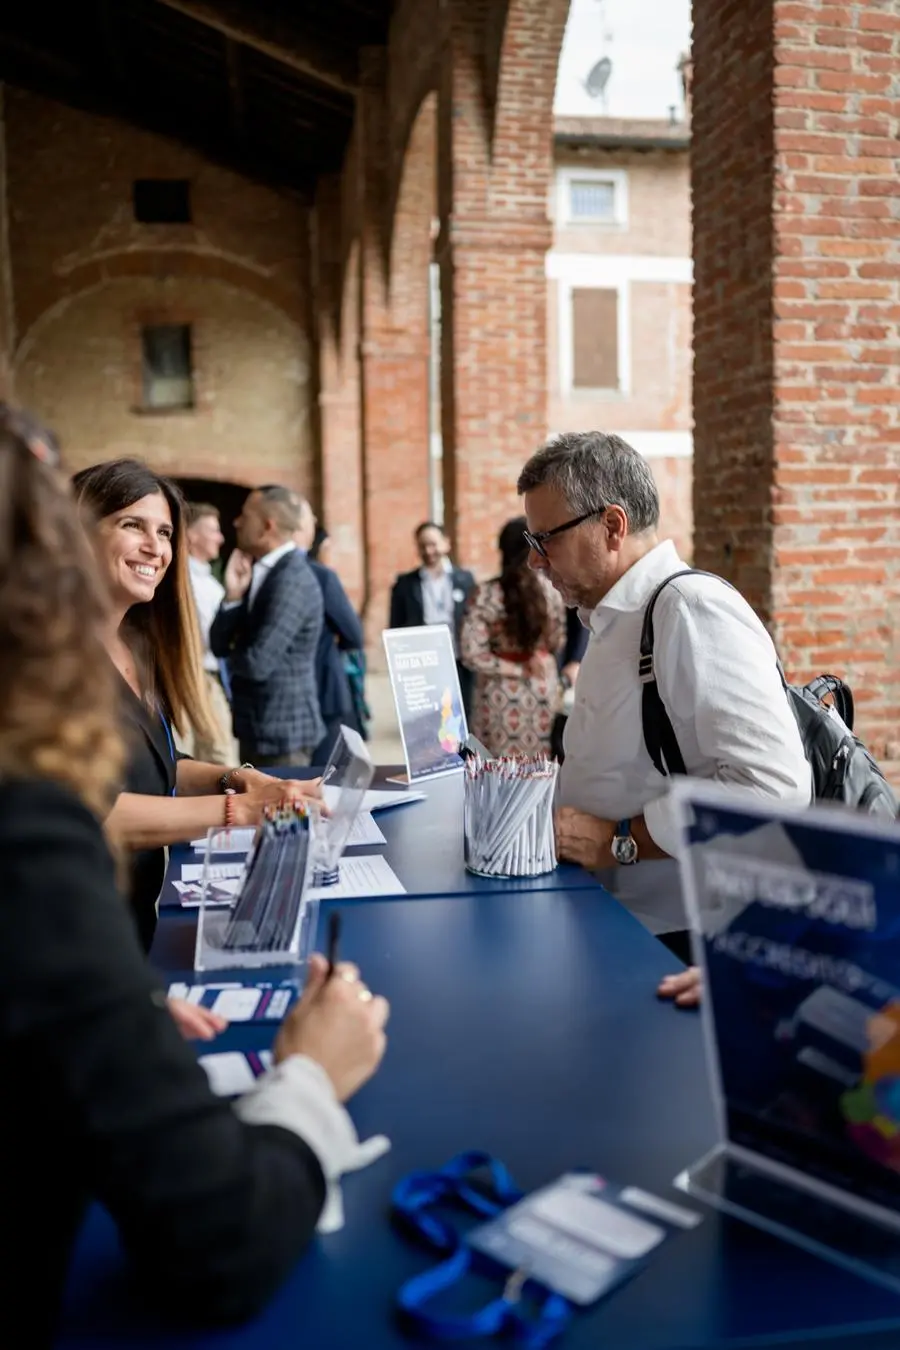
<point>247,806</point>
<point>339,1024</point>
<point>684,989</point>
<point>248,780</point>
<point>536,665</point>
<point>195,1023</point>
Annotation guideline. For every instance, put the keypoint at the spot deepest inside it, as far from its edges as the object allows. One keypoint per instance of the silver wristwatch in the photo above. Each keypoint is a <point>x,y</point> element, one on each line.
<point>624,845</point>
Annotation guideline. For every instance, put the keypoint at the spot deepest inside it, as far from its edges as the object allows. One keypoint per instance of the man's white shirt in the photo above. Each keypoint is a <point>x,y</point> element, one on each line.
<point>263,566</point>
<point>718,678</point>
<point>208,595</point>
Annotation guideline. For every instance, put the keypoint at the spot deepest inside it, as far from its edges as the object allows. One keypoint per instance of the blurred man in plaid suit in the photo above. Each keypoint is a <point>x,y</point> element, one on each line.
<point>268,627</point>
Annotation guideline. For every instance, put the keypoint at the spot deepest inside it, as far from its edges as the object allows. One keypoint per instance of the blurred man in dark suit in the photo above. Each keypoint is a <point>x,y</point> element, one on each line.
<point>434,593</point>
<point>341,632</point>
<point>269,627</point>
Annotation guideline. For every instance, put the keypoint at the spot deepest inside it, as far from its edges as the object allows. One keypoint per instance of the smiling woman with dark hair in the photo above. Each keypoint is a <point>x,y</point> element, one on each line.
<point>136,519</point>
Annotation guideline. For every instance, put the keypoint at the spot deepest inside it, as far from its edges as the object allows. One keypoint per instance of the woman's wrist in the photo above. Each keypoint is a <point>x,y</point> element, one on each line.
<point>232,779</point>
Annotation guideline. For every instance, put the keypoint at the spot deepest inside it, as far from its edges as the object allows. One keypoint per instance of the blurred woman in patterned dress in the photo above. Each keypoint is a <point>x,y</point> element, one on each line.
<point>512,631</point>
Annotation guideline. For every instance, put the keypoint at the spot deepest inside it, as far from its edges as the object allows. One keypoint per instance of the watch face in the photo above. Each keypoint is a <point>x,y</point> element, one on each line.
<point>624,849</point>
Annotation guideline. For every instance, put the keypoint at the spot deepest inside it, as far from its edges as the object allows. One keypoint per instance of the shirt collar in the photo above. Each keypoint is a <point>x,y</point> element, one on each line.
<point>270,559</point>
<point>632,591</point>
<point>446,567</point>
<point>198,567</point>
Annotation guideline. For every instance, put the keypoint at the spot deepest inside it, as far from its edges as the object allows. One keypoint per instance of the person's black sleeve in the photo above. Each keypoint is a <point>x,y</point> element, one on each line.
<point>340,616</point>
<point>225,627</point>
<point>576,639</point>
<point>213,1212</point>
<point>397,617</point>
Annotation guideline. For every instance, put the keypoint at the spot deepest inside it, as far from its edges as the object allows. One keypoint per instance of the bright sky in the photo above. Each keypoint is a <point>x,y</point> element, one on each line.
<point>642,38</point>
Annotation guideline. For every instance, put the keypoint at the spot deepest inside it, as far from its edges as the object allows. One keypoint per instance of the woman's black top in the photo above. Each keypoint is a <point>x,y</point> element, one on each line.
<point>150,770</point>
<point>103,1098</point>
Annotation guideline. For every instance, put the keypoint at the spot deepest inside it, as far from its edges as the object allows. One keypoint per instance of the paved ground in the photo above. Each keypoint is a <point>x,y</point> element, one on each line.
<point>384,747</point>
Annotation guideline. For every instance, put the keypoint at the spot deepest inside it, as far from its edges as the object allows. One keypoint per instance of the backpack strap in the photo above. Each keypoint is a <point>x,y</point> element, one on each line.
<point>823,685</point>
<point>659,734</point>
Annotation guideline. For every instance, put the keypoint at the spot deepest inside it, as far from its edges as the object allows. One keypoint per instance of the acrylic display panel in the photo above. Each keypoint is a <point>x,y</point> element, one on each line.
<point>796,917</point>
<point>267,920</point>
<point>346,780</point>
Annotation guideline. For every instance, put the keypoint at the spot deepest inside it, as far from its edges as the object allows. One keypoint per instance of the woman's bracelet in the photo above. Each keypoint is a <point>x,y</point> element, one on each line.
<point>225,780</point>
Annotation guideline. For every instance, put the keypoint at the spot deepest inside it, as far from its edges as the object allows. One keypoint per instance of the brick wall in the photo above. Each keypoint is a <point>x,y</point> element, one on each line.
<point>733,193</point>
<point>395,349</point>
<point>494,178</point>
<point>336,277</point>
<point>86,275</point>
<point>797,387</point>
<point>80,368</point>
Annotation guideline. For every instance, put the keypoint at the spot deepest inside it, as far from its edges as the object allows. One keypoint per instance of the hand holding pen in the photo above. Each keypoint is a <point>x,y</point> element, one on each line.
<point>338,1022</point>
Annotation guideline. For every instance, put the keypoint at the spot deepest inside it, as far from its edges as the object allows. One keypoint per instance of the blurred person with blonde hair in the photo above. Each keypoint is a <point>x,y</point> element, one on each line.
<point>204,540</point>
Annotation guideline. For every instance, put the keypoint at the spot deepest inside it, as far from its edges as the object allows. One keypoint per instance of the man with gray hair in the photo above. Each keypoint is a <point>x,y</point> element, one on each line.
<point>593,517</point>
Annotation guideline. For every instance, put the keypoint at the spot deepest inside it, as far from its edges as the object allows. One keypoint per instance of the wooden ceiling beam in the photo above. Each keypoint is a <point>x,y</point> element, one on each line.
<point>236,96</point>
<point>279,40</point>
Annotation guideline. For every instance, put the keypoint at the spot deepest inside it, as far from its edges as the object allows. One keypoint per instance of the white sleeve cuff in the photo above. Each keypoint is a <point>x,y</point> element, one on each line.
<point>299,1096</point>
<point>664,824</point>
<point>230,604</point>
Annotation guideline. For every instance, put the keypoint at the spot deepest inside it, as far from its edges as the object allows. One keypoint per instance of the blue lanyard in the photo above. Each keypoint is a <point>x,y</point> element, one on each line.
<point>171,744</point>
<point>451,1184</point>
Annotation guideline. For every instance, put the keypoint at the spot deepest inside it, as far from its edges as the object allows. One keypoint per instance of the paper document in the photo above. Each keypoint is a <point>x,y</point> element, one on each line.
<point>228,841</point>
<point>361,878</point>
<point>365,831</point>
<point>218,892</point>
<point>238,1002</point>
<point>217,871</point>
<point>376,799</point>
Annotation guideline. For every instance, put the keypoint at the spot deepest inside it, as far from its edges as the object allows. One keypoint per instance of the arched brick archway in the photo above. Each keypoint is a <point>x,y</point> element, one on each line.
<point>494,179</point>
<point>395,371</point>
<point>454,121</point>
<point>163,263</point>
<point>91,340</point>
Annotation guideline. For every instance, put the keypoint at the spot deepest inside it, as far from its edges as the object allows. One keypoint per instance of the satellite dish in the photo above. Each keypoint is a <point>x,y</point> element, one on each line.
<point>598,78</point>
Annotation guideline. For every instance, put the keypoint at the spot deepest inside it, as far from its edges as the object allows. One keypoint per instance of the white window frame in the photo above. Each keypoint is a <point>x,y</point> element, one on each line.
<point>567,337</point>
<point>564,180</point>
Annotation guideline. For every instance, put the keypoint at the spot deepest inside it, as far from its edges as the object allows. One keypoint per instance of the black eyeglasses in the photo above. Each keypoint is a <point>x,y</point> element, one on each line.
<point>536,541</point>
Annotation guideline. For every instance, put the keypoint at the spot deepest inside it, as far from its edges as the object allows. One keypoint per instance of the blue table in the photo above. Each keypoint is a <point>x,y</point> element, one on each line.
<point>425,848</point>
<point>526,1025</point>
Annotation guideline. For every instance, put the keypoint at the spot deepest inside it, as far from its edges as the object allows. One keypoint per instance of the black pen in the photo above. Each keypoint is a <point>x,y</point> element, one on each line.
<point>334,934</point>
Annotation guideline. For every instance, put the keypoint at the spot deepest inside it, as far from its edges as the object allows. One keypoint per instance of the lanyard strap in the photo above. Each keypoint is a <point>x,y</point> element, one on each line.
<point>417,1193</point>
<point>170,742</point>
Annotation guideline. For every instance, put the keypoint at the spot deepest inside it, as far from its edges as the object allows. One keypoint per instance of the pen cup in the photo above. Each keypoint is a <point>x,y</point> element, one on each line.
<point>508,817</point>
<point>265,917</point>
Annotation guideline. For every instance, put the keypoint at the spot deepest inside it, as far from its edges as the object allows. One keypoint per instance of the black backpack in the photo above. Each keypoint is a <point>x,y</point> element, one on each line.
<point>842,768</point>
